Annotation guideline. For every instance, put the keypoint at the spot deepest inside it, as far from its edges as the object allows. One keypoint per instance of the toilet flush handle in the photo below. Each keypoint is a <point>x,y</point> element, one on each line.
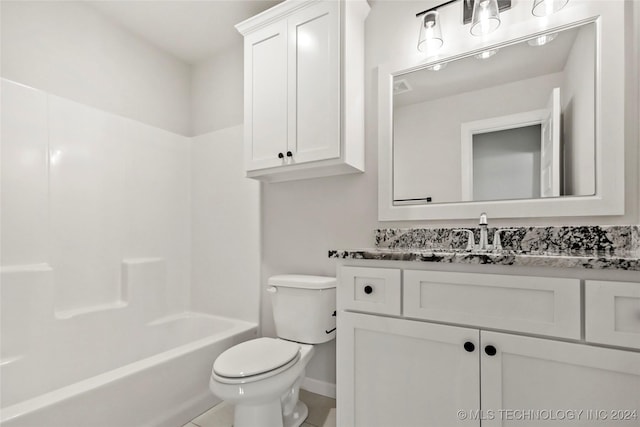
<point>272,289</point>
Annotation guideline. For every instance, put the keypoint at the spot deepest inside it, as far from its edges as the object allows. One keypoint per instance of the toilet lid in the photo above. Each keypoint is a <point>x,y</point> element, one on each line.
<point>255,357</point>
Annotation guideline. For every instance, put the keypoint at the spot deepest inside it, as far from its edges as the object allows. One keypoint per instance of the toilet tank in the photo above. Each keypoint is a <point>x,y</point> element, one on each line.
<point>304,307</point>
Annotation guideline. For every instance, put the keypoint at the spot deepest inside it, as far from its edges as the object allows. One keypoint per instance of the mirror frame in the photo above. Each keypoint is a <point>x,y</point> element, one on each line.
<point>609,128</point>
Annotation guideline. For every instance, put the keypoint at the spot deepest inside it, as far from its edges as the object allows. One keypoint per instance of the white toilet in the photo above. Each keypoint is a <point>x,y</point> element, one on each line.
<point>262,377</point>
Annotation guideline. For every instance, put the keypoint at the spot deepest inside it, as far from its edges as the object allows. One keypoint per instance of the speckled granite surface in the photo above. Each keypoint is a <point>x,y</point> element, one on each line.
<point>551,240</point>
<point>594,261</point>
<point>596,247</point>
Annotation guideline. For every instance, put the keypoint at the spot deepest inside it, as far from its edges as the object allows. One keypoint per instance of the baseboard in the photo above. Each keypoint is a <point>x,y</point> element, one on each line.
<point>319,387</point>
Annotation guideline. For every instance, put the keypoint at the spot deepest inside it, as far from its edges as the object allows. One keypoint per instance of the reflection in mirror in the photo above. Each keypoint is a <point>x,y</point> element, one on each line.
<point>518,124</point>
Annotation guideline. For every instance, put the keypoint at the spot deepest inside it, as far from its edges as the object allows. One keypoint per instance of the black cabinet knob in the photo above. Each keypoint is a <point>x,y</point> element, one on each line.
<point>490,350</point>
<point>469,346</point>
<point>280,156</point>
<point>368,289</point>
<point>289,154</point>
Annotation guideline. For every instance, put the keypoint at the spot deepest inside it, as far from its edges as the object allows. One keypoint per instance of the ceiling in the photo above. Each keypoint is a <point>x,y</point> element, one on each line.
<point>190,30</point>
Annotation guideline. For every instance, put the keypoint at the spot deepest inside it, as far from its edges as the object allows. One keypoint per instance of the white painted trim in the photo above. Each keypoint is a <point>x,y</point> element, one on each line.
<point>493,124</point>
<point>271,15</point>
<point>609,120</point>
<point>319,387</point>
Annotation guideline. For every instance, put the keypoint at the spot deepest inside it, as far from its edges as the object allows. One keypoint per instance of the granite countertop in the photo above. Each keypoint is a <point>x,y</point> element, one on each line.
<point>599,261</point>
<point>595,247</point>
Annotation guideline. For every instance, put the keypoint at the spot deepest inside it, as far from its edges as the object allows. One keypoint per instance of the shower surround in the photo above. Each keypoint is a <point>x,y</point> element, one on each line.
<point>95,279</point>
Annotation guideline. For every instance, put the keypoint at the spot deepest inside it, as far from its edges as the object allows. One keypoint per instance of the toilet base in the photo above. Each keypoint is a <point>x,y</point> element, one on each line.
<point>297,417</point>
<point>269,415</point>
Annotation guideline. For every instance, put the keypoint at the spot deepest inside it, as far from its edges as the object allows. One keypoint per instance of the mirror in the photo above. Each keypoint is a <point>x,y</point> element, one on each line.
<point>510,123</point>
<point>456,171</point>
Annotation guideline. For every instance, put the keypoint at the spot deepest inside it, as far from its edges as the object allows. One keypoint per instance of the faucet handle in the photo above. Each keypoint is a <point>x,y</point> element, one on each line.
<point>470,237</point>
<point>497,243</point>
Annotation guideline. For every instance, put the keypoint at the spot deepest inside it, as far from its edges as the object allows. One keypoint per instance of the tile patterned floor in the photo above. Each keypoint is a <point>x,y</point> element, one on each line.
<point>321,413</point>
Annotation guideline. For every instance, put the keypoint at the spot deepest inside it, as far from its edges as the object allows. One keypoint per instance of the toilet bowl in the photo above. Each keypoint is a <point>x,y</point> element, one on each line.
<point>265,393</point>
<point>262,377</point>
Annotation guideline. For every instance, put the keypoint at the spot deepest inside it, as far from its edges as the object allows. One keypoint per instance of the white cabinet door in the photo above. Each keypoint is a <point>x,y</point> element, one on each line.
<point>265,102</point>
<point>395,372</point>
<point>314,83</point>
<point>558,380</point>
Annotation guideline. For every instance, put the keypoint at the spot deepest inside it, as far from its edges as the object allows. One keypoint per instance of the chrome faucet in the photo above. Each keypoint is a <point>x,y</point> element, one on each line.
<point>483,244</point>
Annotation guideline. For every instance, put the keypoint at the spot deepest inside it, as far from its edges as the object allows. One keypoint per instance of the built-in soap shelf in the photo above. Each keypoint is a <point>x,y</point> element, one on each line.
<point>28,308</point>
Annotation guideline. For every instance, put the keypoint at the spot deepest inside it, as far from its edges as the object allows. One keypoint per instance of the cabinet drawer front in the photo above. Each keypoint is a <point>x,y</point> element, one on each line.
<point>612,313</point>
<point>374,290</point>
<point>538,305</point>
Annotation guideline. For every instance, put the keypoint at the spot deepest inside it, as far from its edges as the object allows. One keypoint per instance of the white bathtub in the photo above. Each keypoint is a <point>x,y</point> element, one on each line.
<point>159,378</point>
<point>123,364</point>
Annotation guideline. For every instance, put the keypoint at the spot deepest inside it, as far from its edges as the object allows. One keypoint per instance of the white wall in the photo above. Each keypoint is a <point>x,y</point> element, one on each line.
<point>225,228</point>
<point>225,209</point>
<point>83,190</point>
<point>216,91</point>
<point>70,50</point>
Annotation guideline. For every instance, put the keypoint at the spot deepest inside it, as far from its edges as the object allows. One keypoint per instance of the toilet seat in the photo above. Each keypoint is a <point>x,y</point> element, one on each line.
<point>254,360</point>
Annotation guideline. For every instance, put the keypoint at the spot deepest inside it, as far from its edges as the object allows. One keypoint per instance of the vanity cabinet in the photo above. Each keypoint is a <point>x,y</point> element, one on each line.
<point>528,373</point>
<point>304,90</point>
<point>467,350</point>
<point>395,372</point>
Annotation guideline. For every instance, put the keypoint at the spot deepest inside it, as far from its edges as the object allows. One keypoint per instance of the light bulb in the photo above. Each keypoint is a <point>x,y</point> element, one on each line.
<point>485,18</point>
<point>430,36</point>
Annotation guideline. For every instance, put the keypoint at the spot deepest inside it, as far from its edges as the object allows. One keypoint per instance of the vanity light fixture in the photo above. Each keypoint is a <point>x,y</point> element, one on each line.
<point>547,7</point>
<point>430,38</point>
<point>484,16</point>
<point>542,40</point>
<point>487,54</point>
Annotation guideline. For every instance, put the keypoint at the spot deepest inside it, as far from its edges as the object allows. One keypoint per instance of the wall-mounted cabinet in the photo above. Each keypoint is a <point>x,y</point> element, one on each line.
<point>304,90</point>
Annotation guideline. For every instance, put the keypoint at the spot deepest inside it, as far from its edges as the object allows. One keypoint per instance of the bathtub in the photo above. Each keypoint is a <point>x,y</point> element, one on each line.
<point>162,381</point>
<point>123,364</point>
